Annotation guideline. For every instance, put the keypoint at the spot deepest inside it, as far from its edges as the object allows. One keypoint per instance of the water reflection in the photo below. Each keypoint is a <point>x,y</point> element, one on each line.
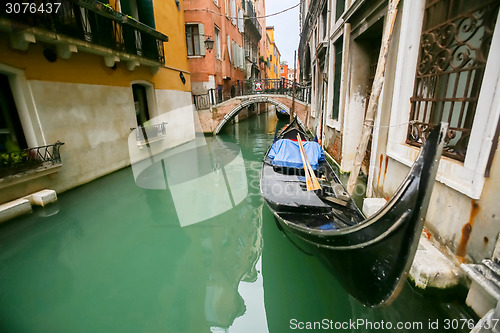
<point>205,177</point>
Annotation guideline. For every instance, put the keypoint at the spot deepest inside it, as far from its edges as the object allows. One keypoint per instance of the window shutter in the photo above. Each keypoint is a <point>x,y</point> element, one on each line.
<point>201,32</point>
<point>240,20</point>
<point>146,12</point>
<point>242,57</point>
<point>235,55</point>
<point>233,12</point>
<point>229,48</point>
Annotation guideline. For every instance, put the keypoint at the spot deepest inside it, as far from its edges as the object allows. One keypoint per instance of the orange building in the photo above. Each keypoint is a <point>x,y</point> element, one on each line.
<point>85,73</point>
<point>221,21</point>
<point>284,70</point>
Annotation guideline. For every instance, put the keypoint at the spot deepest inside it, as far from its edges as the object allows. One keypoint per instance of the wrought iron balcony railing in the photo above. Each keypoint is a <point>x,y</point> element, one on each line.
<point>149,133</point>
<point>252,20</point>
<point>28,159</point>
<point>93,22</point>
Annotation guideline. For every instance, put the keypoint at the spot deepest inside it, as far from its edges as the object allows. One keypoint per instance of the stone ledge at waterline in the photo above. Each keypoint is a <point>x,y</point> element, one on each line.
<point>12,209</point>
<point>432,269</point>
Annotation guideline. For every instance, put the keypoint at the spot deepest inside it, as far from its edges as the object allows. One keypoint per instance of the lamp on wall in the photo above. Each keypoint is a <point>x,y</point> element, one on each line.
<point>209,43</point>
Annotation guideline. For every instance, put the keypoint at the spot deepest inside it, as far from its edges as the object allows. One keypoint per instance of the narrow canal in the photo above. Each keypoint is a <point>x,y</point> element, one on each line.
<point>112,257</point>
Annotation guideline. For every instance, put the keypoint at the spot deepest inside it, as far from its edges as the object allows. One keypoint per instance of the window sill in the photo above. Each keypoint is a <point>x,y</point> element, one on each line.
<point>333,123</point>
<point>196,56</point>
<point>451,173</point>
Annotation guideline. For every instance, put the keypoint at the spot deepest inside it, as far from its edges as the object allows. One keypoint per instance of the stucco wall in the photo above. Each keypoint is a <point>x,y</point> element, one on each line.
<point>468,228</point>
<point>94,122</point>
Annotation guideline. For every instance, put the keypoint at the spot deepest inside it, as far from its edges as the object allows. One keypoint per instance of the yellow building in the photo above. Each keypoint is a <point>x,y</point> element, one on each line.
<point>273,56</point>
<point>86,73</point>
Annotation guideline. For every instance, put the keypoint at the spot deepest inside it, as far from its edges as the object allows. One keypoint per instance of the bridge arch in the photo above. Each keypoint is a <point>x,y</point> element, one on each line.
<point>245,103</point>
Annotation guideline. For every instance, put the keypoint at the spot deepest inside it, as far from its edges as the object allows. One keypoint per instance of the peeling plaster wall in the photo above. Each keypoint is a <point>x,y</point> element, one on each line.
<point>486,225</point>
<point>468,228</point>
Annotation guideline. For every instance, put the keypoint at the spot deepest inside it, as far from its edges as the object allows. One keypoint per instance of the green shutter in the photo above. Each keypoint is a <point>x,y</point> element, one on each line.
<point>126,8</point>
<point>146,12</point>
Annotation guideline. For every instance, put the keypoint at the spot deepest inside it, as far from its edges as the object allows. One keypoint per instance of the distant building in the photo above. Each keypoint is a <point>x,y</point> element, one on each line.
<point>86,75</point>
<point>284,70</point>
<point>235,26</point>
<point>254,37</point>
<point>224,66</point>
<point>293,74</point>
<point>273,55</point>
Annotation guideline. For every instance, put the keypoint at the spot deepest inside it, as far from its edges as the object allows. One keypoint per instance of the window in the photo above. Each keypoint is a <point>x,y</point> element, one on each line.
<point>217,43</point>
<point>337,47</point>
<point>195,39</point>
<point>324,21</point>
<point>11,132</point>
<point>339,9</point>
<point>141,103</point>
<point>454,48</point>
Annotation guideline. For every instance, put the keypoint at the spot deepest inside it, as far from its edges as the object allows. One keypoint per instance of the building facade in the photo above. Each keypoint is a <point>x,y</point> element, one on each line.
<point>85,76</point>
<point>284,70</point>
<point>273,56</point>
<point>254,36</point>
<point>440,67</point>
<point>224,66</point>
<point>235,26</point>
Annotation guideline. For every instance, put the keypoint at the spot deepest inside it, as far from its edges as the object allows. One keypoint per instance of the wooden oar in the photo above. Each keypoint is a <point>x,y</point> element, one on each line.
<point>312,182</point>
<point>316,184</point>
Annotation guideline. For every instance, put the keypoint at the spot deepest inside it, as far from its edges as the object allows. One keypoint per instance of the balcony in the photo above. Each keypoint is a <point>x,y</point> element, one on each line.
<point>251,21</point>
<point>28,163</point>
<point>148,134</point>
<point>84,25</point>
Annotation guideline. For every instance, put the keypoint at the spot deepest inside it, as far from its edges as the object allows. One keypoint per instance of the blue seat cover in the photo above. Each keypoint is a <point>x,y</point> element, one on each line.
<point>286,153</point>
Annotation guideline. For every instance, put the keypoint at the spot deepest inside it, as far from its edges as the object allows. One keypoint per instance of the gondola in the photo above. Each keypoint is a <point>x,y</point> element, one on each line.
<point>370,257</point>
<point>282,114</point>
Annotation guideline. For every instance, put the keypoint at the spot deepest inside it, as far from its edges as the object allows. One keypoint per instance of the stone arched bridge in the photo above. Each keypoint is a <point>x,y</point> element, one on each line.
<point>212,121</point>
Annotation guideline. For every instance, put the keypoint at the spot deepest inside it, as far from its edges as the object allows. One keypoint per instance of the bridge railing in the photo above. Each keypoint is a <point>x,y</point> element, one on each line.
<point>252,87</point>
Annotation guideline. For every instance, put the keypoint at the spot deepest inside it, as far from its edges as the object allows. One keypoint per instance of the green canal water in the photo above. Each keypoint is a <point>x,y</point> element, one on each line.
<point>112,257</point>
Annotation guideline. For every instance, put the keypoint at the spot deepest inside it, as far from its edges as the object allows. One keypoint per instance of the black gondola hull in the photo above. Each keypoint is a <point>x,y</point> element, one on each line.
<point>282,115</point>
<point>370,257</point>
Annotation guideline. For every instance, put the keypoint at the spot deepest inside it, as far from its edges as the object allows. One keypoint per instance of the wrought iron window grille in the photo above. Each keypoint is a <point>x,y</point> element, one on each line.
<point>454,47</point>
